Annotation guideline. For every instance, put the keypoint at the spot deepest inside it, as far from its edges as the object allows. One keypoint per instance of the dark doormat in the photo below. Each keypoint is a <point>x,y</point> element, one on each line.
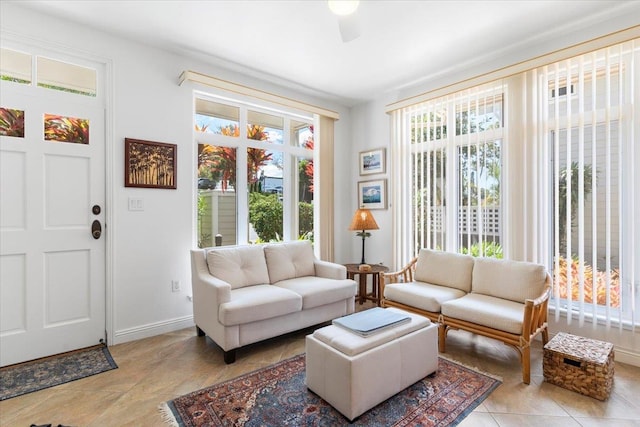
<point>23,378</point>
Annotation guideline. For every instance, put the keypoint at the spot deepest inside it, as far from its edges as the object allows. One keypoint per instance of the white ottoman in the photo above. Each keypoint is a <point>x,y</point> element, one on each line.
<point>354,374</point>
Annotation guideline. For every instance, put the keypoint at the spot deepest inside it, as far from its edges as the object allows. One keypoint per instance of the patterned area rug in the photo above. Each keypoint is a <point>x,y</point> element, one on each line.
<point>23,378</point>
<point>277,395</point>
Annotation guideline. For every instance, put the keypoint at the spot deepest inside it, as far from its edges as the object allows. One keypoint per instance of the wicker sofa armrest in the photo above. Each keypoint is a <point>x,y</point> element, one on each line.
<point>401,276</point>
<point>534,318</point>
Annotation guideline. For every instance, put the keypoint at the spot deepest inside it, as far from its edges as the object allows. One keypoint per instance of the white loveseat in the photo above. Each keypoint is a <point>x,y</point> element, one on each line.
<point>501,299</point>
<point>245,294</point>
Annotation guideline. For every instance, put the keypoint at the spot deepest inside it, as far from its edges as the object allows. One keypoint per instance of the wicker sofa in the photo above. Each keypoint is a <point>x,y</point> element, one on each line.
<point>245,294</point>
<point>500,299</point>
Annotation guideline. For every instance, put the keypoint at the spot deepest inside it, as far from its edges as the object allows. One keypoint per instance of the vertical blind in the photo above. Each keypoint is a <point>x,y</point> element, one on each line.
<point>452,149</point>
<point>588,122</point>
<point>539,166</point>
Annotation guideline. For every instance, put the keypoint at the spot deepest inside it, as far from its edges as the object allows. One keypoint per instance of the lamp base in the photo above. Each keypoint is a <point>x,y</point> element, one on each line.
<point>364,267</point>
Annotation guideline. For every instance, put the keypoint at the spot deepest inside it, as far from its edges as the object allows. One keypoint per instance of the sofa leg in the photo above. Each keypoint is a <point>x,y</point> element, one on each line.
<point>526,364</point>
<point>230,356</point>
<point>442,335</point>
<point>199,331</point>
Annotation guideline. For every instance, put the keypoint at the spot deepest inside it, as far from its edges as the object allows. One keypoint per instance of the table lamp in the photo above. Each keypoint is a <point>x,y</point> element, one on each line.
<point>362,221</point>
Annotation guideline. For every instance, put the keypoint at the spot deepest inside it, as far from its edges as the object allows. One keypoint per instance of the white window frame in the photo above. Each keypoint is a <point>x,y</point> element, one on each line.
<point>291,152</point>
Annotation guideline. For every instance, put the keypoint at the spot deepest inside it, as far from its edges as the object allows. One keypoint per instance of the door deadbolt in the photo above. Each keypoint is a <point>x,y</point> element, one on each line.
<point>96,209</point>
<point>96,229</point>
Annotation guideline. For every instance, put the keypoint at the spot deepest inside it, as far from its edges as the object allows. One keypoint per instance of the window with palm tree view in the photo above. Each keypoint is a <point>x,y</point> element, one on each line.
<point>255,174</point>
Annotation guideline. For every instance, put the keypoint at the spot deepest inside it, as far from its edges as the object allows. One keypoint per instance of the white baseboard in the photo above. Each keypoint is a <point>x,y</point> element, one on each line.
<point>626,356</point>
<point>152,329</point>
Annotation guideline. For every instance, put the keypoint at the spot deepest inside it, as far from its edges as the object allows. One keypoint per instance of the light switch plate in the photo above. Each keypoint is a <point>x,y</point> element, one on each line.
<point>136,204</point>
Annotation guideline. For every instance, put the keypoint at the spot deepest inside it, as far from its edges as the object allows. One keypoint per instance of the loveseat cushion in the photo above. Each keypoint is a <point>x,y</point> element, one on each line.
<point>259,302</point>
<point>512,280</point>
<point>424,296</point>
<point>239,266</point>
<point>492,312</point>
<point>317,291</point>
<point>445,269</point>
<point>289,260</point>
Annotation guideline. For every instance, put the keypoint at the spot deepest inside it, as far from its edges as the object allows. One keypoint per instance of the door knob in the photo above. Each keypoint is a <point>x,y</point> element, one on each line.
<point>96,229</point>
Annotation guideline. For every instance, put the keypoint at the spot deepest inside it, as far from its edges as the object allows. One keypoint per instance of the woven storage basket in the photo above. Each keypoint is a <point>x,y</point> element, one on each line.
<point>579,364</point>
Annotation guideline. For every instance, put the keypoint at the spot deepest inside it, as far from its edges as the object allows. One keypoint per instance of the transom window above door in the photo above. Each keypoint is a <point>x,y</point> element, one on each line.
<point>23,68</point>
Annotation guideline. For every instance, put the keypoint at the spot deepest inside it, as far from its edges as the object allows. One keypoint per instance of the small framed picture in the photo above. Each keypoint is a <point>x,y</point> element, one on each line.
<point>372,161</point>
<point>149,164</point>
<point>372,194</point>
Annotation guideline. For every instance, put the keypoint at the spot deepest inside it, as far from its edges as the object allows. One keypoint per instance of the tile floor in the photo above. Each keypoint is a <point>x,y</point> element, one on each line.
<point>157,369</point>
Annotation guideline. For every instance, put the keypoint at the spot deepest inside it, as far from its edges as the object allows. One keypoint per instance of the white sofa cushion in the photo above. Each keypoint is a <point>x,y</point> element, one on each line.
<point>444,269</point>
<point>495,313</point>
<point>512,280</point>
<point>259,302</point>
<point>289,260</point>
<point>317,291</point>
<point>239,266</point>
<point>424,296</point>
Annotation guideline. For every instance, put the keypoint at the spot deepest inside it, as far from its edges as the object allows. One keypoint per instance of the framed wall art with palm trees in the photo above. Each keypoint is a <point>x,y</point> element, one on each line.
<point>149,164</point>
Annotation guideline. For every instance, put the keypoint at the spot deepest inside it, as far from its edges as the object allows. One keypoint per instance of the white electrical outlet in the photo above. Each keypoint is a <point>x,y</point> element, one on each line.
<point>175,286</point>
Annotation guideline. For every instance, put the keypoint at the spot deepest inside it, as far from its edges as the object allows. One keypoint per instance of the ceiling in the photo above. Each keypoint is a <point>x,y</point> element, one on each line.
<point>298,43</point>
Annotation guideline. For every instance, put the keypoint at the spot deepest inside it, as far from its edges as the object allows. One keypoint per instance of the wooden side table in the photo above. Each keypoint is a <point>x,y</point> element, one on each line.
<point>376,269</point>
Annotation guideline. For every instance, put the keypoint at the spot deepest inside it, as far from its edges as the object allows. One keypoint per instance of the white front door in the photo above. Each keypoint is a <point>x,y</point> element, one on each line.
<point>52,269</point>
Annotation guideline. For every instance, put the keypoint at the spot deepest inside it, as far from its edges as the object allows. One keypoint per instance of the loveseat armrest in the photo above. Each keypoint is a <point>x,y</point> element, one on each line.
<point>330,270</point>
<point>208,291</point>
<point>401,276</point>
<point>216,291</point>
<point>534,319</point>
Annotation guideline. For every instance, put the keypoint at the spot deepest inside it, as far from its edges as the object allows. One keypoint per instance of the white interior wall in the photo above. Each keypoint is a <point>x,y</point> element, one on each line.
<point>370,130</point>
<point>150,248</point>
